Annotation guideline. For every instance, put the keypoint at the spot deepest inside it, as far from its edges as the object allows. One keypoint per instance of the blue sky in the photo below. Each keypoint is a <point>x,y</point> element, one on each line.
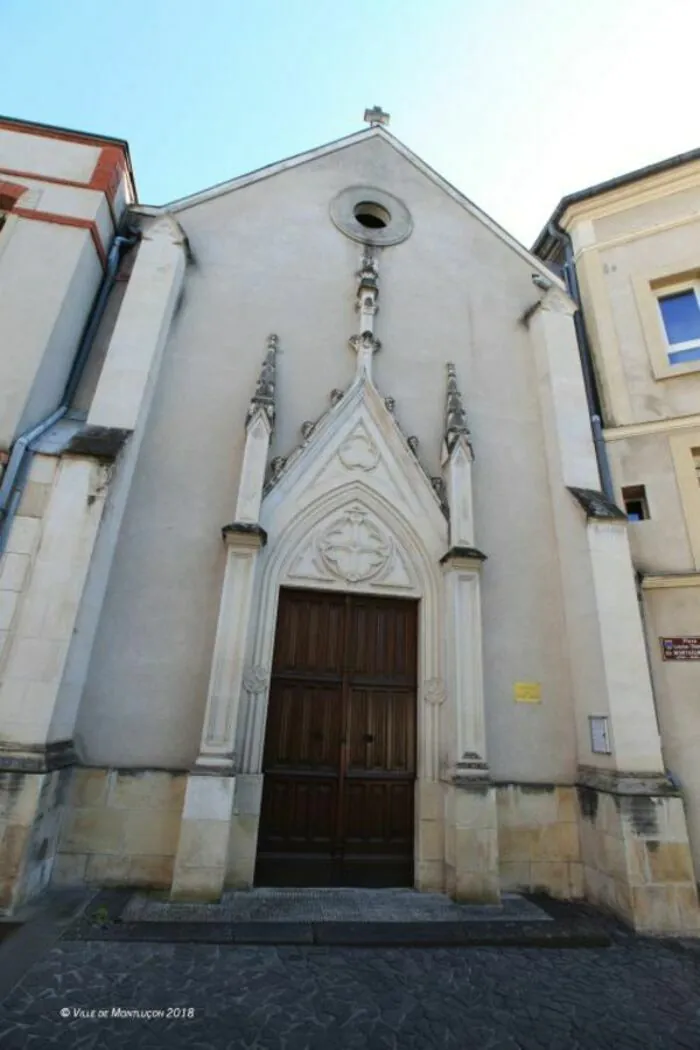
<point>516,102</point>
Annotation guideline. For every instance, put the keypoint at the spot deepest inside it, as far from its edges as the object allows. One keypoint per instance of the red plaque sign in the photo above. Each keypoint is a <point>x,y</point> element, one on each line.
<point>680,648</point>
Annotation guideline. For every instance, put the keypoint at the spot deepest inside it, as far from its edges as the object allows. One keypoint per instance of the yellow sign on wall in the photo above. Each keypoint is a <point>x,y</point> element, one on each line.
<point>527,692</point>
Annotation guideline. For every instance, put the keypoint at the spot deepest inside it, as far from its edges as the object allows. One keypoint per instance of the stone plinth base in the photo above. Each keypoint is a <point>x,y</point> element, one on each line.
<point>635,852</point>
<point>202,852</point>
<point>243,843</point>
<point>471,842</point>
<point>538,839</point>
<point>30,811</point>
<point>120,828</point>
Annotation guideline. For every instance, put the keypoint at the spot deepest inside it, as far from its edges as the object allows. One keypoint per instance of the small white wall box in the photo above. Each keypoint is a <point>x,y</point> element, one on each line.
<point>600,735</point>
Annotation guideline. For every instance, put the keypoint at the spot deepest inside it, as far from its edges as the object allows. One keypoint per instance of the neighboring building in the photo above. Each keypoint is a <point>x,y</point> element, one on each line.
<point>313,581</point>
<point>635,249</point>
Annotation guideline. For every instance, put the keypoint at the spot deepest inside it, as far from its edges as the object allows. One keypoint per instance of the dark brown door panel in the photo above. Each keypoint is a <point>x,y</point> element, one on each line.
<point>340,743</point>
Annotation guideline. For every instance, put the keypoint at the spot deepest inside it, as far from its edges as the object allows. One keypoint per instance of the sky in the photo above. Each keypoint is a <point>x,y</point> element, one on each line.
<point>516,102</point>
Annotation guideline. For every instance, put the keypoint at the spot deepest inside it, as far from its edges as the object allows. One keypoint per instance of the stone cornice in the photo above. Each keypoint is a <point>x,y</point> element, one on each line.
<point>669,581</point>
<point>651,426</point>
<point>615,782</point>
<point>36,758</point>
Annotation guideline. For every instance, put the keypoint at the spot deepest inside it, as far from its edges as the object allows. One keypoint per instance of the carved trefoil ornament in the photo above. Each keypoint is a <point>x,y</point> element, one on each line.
<point>255,679</point>
<point>354,547</point>
<point>358,451</point>
<point>434,692</point>
<point>264,396</point>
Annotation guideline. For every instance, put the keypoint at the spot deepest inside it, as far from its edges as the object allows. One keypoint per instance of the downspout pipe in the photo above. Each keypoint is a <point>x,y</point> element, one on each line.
<point>17,465</point>
<point>584,349</point>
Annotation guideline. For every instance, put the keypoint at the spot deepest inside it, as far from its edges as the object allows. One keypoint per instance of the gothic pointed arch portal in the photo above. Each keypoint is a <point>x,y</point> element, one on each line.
<point>352,513</point>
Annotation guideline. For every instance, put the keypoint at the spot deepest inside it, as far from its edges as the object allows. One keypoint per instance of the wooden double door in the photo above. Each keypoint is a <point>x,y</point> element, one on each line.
<point>340,744</point>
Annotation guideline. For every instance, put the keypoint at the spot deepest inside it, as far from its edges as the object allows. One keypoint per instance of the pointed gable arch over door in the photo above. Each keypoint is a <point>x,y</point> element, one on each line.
<point>352,512</point>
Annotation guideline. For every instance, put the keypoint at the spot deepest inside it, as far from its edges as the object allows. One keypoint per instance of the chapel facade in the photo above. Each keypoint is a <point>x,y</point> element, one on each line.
<point>307,572</point>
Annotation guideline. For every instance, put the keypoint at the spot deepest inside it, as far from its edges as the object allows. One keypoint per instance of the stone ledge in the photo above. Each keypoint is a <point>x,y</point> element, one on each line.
<point>614,782</point>
<point>369,934</point>
<point>597,506</point>
<point>37,758</point>
<point>479,785</point>
<point>243,528</point>
<point>464,553</point>
<point>102,442</point>
<point>566,924</point>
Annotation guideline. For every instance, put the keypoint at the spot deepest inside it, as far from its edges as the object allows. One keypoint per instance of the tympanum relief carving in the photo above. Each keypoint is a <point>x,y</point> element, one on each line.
<point>353,547</point>
<point>350,547</point>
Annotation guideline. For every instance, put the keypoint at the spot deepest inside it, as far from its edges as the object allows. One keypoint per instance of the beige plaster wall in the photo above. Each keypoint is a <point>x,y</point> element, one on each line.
<point>611,296</point>
<point>661,542</point>
<point>648,257</point>
<point>41,155</point>
<point>670,613</point>
<point>268,258</point>
<point>659,210</point>
<point>49,275</point>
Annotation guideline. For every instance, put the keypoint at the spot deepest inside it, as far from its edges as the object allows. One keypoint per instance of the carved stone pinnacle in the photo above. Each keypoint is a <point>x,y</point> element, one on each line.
<point>455,416</point>
<point>264,396</point>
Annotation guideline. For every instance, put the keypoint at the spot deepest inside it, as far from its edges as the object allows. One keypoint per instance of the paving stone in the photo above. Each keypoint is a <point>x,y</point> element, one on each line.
<point>638,994</point>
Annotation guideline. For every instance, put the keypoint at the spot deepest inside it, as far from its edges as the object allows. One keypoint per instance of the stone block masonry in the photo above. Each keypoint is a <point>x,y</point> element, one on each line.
<point>636,855</point>
<point>120,828</point>
<point>538,838</point>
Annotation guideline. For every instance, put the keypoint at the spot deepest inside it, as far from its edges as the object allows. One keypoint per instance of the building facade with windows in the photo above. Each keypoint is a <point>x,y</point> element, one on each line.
<point>634,246</point>
<point>269,613</point>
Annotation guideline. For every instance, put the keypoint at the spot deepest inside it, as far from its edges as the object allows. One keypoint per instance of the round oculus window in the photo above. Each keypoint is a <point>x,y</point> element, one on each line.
<point>371,215</point>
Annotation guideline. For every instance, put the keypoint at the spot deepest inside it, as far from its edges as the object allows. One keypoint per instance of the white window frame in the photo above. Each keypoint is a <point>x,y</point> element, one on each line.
<point>648,291</point>
<point>688,344</point>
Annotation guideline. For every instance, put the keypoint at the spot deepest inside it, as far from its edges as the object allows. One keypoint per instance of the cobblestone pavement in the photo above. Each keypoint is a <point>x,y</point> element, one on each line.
<point>635,995</point>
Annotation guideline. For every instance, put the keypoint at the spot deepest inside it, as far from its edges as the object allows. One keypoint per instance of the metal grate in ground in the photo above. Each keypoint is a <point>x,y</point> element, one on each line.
<point>331,905</point>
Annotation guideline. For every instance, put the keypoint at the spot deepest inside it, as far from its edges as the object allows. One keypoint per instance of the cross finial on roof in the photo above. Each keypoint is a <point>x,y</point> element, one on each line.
<point>376,115</point>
